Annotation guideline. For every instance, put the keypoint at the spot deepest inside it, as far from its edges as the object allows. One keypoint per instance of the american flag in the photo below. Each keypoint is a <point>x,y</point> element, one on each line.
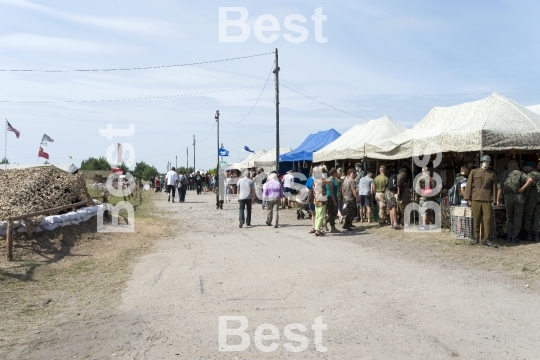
<point>120,153</point>
<point>13,130</point>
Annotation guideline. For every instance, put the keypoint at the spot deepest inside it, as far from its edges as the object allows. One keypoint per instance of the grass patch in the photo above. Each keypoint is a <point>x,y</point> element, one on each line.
<point>92,275</point>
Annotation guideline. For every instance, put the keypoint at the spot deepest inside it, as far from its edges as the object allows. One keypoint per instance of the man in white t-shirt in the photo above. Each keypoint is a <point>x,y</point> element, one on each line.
<point>246,195</point>
<point>171,180</point>
<point>288,182</point>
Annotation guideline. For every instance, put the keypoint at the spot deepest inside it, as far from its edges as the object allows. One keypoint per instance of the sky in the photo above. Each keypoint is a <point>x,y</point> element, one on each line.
<point>368,59</point>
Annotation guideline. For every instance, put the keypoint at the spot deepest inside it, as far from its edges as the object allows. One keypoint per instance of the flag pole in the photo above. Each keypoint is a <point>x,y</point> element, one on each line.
<point>5,146</point>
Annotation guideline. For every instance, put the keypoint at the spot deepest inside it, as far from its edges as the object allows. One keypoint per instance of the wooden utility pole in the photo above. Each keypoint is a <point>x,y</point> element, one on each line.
<point>194,167</point>
<point>219,182</point>
<point>276,72</point>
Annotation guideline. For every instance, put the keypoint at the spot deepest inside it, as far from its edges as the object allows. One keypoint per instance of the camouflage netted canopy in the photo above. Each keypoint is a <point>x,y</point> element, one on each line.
<point>492,124</point>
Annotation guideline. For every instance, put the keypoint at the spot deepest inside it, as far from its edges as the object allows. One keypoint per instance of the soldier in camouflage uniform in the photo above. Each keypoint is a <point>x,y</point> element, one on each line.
<point>531,215</point>
<point>512,184</point>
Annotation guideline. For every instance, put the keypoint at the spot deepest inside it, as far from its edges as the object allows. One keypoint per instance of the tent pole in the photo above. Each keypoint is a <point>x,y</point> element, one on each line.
<point>413,190</point>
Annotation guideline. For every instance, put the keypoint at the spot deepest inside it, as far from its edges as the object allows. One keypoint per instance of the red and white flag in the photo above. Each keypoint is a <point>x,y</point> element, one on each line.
<point>12,129</point>
<point>43,154</point>
<point>120,154</point>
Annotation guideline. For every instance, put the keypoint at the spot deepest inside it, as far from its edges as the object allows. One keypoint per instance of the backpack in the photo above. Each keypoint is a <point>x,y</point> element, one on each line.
<point>392,183</point>
<point>454,192</point>
<point>184,180</point>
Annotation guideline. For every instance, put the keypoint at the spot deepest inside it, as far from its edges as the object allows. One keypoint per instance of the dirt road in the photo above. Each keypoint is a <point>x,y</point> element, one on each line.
<point>379,299</point>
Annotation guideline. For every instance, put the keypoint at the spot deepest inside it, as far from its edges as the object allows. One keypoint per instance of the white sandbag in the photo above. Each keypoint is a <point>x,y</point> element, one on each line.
<point>83,212</point>
<point>38,229</point>
<point>3,232</point>
<point>88,217</point>
<point>44,221</point>
<point>73,216</point>
<point>74,222</point>
<point>21,229</point>
<point>49,227</point>
<point>16,224</point>
<point>3,225</point>
<point>56,219</point>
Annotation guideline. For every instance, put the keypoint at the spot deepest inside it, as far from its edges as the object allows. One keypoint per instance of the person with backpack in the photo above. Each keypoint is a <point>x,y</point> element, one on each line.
<point>198,182</point>
<point>182,187</point>
<point>455,193</point>
<point>391,200</point>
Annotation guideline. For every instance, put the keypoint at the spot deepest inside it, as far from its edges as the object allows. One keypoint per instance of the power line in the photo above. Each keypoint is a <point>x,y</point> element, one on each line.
<point>210,133</point>
<point>128,99</point>
<point>322,103</point>
<point>256,102</point>
<point>135,68</point>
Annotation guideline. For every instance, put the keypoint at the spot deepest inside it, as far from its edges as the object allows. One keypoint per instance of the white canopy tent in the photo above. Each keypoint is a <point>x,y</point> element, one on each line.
<point>492,124</point>
<point>534,108</point>
<point>248,162</point>
<point>268,160</point>
<point>351,144</point>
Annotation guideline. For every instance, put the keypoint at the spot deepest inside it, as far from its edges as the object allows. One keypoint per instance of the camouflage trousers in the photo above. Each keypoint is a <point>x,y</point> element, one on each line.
<point>531,216</point>
<point>514,213</point>
<point>381,204</point>
<point>529,223</point>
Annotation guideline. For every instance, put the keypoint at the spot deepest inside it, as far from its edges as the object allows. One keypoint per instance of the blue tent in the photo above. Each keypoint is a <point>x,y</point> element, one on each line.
<point>313,142</point>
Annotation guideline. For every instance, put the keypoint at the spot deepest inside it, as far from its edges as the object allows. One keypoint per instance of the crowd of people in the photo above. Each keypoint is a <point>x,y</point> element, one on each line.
<point>178,182</point>
<point>333,196</point>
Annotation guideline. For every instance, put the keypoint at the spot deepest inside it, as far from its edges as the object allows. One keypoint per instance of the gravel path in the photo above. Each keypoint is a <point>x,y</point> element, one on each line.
<point>379,299</point>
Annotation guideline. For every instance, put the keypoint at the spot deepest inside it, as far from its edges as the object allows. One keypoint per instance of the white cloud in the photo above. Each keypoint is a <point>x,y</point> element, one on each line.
<point>41,43</point>
<point>126,24</point>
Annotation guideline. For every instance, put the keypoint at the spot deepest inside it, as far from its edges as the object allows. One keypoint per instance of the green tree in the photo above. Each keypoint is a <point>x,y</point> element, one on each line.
<point>183,170</point>
<point>95,164</point>
<point>149,173</point>
<point>4,161</point>
<point>139,169</point>
<point>124,168</point>
<point>144,171</point>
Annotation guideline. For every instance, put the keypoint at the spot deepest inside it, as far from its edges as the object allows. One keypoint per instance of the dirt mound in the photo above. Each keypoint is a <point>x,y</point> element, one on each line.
<point>23,191</point>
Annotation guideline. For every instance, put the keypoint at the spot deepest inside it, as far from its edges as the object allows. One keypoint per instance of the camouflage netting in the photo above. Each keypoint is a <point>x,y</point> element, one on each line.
<point>495,123</point>
<point>29,190</point>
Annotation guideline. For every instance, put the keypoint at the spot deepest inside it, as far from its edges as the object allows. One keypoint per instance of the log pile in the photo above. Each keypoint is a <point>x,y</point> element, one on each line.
<point>24,191</point>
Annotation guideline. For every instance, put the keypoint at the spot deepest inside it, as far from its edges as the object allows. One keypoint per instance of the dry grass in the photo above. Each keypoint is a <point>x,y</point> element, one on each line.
<point>72,271</point>
<point>519,261</point>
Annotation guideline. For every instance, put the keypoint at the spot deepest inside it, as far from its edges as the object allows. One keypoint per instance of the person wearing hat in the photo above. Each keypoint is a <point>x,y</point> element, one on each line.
<point>531,212</point>
<point>512,183</point>
<point>478,194</point>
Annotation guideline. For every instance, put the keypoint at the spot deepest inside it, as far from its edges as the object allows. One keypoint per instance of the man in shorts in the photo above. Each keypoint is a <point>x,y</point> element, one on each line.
<point>380,187</point>
<point>288,181</point>
<point>366,191</point>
